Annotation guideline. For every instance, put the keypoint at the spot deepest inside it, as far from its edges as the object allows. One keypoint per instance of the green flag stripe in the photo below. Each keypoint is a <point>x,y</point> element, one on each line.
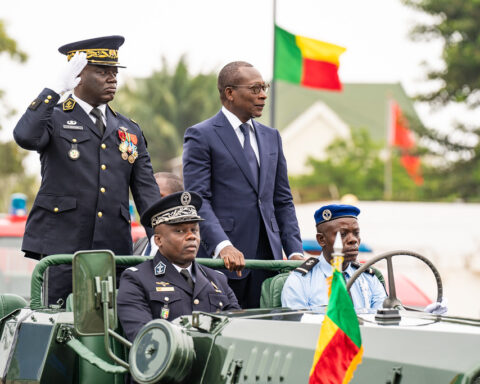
<point>288,58</point>
<point>340,310</point>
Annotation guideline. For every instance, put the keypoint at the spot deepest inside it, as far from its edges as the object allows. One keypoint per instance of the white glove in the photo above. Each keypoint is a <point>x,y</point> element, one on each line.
<point>69,78</point>
<point>437,308</point>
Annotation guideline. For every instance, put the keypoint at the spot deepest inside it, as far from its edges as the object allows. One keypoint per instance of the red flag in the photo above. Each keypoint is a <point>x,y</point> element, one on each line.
<point>403,138</point>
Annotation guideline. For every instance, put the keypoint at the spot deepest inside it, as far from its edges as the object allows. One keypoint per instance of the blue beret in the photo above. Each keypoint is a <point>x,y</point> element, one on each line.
<point>335,211</point>
<point>178,207</point>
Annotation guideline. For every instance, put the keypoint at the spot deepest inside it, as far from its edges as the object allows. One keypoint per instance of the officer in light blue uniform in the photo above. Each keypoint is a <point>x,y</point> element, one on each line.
<point>307,286</point>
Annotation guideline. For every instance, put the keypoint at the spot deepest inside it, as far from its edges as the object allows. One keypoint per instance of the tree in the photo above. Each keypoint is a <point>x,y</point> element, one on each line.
<point>12,172</point>
<point>165,104</point>
<point>455,24</point>
<point>353,166</point>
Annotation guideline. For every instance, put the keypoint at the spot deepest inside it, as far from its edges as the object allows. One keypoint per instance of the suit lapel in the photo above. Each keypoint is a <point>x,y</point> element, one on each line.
<point>229,138</point>
<point>201,280</point>
<point>112,122</point>
<point>263,151</point>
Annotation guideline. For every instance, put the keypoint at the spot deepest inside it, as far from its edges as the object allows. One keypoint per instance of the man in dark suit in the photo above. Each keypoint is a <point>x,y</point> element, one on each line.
<point>171,284</point>
<point>237,165</point>
<point>90,157</point>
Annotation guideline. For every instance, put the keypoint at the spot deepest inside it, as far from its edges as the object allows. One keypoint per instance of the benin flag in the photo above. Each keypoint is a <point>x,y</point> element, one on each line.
<point>305,61</point>
<point>339,348</point>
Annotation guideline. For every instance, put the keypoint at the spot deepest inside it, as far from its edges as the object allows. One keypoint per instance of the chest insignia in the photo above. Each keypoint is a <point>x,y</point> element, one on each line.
<point>165,289</point>
<point>215,286</point>
<point>159,269</point>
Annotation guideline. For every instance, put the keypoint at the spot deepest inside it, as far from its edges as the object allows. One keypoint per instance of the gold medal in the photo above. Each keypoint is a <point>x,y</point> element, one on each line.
<point>131,159</point>
<point>123,147</point>
<point>74,154</point>
<point>124,155</point>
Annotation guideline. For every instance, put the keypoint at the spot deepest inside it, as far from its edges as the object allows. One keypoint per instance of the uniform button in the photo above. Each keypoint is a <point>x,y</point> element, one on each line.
<point>47,101</point>
<point>221,304</point>
<point>49,97</point>
<point>103,166</point>
<point>74,140</point>
<point>55,209</point>
<point>103,146</point>
<point>99,214</point>
<point>102,190</point>
<point>167,298</point>
<point>196,301</point>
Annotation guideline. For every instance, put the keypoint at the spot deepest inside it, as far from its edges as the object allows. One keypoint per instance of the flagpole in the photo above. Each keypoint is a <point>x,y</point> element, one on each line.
<point>388,183</point>
<point>272,90</point>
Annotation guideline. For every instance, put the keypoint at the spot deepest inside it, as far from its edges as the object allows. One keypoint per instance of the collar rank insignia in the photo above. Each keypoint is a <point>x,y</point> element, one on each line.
<point>160,269</point>
<point>69,104</point>
<point>307,266</point>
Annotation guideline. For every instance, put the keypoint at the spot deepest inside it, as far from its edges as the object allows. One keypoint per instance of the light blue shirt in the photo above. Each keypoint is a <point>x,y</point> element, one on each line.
<point>311,291</point>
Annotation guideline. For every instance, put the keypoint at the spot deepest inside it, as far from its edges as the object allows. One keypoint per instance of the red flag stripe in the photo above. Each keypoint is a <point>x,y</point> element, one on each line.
<point>320,74</point>
<point>335,359</point>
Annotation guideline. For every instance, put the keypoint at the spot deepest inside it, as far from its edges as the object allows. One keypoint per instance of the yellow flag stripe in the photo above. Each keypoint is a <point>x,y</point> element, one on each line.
<point>328,330</point>
<point>319,50</point>
<point>353,365</point>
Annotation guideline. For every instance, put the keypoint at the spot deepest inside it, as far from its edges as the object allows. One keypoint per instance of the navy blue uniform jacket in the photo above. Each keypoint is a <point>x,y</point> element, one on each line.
<point>84,203</point>
<point>142,294</point>
<point>214,165</point>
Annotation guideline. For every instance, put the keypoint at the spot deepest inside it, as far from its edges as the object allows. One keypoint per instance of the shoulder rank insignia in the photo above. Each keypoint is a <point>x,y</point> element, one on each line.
<point>34,104</point>
<point>160,269</point>
<point>133,121</point>
<point>356,265</point>
<point>307,266</point>
<point>69,104</point>
<point>134,269</point>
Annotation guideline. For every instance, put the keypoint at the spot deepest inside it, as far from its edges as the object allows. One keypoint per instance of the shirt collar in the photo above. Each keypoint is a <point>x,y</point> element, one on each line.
<point>327,268</point>
<point>189,268</point>
<point>234,120</point>
<point>87,107</point>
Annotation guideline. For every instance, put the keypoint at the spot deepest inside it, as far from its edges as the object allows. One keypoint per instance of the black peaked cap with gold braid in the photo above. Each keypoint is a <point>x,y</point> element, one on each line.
<point>178,207</point>
<point>99,50</point>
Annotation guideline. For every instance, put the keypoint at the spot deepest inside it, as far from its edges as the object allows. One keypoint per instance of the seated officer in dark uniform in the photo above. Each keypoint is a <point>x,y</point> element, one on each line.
<point>91,156</point>
<point>171,284</point>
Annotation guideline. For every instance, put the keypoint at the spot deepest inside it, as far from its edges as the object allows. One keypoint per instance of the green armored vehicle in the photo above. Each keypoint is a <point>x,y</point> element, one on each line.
<point>84,343</point>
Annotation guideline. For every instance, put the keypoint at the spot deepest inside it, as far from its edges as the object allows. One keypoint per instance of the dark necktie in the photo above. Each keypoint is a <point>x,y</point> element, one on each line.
<point>249,153</point>
<point>187,277</point>
<point>99,122</point>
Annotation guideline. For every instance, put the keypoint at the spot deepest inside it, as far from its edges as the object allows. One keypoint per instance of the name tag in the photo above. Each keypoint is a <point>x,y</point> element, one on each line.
<point>165,289</point>
<point>73,127</point>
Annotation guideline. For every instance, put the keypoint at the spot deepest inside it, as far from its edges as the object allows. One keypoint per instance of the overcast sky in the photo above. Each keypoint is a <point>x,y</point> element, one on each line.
<point>211,33</point>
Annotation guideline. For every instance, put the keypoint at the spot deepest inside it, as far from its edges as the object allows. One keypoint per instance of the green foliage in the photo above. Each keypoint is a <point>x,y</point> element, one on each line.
<point>165,104</point>
<point>353,166</point>
<point>455,24</point>
<point>12,172</point>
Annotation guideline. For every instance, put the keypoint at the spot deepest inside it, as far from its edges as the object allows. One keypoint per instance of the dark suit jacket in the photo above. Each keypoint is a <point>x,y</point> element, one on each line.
<point>142,294</point>
<point>215,166</point>
<point>65,215</point>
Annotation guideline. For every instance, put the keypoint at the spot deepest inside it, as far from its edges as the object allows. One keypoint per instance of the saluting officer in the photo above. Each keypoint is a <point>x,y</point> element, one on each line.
<point>90,157</point>
<point>172,284</point>
<point>308,288</point>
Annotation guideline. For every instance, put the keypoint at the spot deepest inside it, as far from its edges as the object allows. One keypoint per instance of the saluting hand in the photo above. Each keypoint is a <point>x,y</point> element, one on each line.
<point>233,259</point>
<point>69,78</point>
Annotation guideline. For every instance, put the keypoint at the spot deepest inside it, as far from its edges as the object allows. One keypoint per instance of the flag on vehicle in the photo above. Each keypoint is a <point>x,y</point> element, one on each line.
<point>402,138</point>
<point>305,61</point>
<point>339,347</point>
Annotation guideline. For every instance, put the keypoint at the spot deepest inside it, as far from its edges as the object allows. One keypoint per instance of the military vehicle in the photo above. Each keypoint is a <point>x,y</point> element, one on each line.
<point>84,343</point>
